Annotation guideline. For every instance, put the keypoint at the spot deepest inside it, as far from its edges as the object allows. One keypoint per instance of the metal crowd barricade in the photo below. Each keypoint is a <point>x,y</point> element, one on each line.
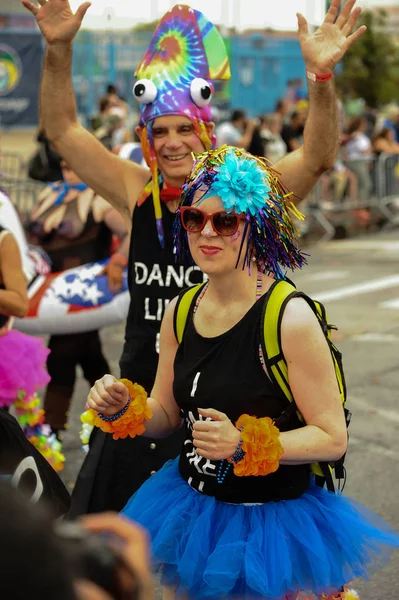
<point>24,195</point>
<point>316,222</point>
<point>387,186</point>
<point>14,181</point>
<point>12,167</point>
<point>325,216</point>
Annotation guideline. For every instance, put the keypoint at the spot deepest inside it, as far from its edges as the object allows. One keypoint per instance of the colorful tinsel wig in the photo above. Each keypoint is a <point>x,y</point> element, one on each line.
<point>246,185</point>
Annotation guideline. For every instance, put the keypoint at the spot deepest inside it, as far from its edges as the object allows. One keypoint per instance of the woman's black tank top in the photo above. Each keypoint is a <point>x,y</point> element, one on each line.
<point>225,373</point>
<point>154,279</point>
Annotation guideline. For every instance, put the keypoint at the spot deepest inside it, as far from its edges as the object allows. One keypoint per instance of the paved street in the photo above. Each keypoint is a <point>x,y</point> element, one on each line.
<point>358,281</point>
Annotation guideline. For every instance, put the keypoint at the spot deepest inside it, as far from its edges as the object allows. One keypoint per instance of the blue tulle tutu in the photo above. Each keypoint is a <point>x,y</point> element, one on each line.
<point>210,549</point>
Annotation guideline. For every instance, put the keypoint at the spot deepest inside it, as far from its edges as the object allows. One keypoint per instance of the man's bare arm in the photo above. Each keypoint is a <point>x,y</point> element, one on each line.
<point>117,180</point>
<point>301,169</point>
<point>321,51</point>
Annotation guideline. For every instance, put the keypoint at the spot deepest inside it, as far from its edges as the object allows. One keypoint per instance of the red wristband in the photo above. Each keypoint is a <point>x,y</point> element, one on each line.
<point>319,77</point>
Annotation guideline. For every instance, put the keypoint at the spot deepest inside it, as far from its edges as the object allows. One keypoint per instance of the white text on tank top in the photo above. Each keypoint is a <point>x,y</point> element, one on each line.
<point>147,275</point>
<point>203,465</point>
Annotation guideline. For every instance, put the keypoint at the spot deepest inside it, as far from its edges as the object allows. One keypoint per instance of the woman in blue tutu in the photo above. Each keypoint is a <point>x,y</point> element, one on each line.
<point>239,514</point>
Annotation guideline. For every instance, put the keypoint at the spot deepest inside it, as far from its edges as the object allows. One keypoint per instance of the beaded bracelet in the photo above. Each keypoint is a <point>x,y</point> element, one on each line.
<point>129,421</point>
<point>258,451</point>
<point>116,415</point>
<point>238,455</point>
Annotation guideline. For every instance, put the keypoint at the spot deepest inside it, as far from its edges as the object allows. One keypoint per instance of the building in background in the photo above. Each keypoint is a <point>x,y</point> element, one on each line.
<point>262,64</point>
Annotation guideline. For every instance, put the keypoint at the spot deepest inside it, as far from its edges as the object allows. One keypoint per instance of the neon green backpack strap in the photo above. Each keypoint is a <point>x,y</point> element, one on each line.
<point>275,302</point>
<point>182,309</point>
<point>279,294</point>
<point>321,314</point>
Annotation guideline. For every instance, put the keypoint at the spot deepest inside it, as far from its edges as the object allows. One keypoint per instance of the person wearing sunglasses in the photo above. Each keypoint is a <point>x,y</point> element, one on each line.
<point>174,88</point>
<point>238,513</point>
<point>223,223</point>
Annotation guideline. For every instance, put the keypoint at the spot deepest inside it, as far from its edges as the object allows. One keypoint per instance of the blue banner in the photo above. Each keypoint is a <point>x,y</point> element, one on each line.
<point>20,68</point>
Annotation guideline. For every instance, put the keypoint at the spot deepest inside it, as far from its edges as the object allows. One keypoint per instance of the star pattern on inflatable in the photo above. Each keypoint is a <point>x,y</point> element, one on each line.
<point>85,288</point>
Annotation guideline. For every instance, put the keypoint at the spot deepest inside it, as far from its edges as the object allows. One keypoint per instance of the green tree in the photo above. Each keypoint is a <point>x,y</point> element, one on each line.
<point>370,68</point>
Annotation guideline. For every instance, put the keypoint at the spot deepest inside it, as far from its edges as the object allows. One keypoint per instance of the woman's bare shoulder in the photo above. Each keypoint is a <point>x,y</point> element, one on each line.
<point>298,319</point>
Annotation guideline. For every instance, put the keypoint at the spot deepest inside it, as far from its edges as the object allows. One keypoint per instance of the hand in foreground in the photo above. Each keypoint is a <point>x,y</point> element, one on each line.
<point>108,395</point>
<point>134,544</point>
<point>323,49</point>
<point>55,19</point>
<point>216,439</point>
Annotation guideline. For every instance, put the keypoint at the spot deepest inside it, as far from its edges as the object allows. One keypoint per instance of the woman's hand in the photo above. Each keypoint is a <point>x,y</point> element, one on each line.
<point>216,438</point>
<point>108,395</point>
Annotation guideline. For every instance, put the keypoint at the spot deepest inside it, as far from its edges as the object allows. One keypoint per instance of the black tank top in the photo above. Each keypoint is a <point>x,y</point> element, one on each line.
<point>154,279</point>
<point>225,373</point>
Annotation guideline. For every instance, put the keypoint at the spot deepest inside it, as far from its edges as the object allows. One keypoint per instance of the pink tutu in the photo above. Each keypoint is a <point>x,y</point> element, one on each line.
<point>22,366</point>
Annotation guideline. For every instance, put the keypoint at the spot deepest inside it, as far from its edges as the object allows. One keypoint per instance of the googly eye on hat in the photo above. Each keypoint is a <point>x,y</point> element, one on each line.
<point>201,91</point>
<point>144,91</point>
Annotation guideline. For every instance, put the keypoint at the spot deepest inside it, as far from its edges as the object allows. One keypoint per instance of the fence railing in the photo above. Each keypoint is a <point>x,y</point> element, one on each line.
<point>325,213</point>
<point>387,186</point>
<point>23,191</point>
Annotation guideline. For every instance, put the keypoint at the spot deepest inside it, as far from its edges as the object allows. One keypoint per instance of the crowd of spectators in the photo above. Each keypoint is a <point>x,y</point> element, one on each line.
<point>364,138</point>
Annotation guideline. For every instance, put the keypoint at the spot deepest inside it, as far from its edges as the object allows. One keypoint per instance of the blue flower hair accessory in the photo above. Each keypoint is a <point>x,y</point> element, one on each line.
<point>247,185</point>
<point>240,183</point>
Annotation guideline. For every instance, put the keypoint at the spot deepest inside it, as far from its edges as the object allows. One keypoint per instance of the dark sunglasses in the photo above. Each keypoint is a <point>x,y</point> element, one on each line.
<point>223,223</point>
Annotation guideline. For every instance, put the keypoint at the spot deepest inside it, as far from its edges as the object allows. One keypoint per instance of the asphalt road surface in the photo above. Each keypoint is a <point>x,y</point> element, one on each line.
<point>358,281</point>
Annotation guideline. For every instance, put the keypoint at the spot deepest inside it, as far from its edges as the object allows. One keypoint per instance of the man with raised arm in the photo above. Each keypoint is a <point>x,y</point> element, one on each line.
<point>174,89</point>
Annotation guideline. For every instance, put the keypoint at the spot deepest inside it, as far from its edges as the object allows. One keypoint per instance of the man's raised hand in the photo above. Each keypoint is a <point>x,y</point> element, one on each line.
<point>55,19</point>
<point>324,48</point>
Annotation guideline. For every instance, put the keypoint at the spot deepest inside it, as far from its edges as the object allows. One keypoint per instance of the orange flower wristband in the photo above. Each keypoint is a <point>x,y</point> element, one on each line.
<point>261,445</point>
<point>131,421</point>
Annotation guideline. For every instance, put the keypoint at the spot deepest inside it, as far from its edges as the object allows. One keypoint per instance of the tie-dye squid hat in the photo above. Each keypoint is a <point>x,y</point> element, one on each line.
<point>185,55</point>
<point>175,76</point>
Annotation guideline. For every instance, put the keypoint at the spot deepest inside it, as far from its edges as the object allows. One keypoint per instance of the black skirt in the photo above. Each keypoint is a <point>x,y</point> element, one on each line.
<point>26,468</point>
<point>114,469</point>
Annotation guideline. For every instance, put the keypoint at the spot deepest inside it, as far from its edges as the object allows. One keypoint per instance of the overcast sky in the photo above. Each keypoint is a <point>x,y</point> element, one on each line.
<point>279,14</point>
